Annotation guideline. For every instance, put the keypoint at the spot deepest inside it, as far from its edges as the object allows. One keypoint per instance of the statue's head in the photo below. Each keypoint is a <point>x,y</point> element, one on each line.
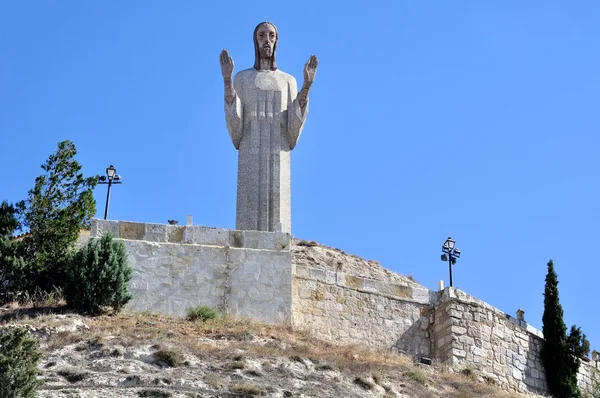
<point>265,44</point>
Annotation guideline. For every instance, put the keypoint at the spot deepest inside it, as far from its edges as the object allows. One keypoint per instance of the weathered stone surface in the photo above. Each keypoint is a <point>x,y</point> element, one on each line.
<point>131,230</point>
<point>104,226</point>
<point>338,296</point>
<point>351,309</point>
<point>265,116</point>
<point>169,278</point>
<point>175,233</point>
<point>155,233</point>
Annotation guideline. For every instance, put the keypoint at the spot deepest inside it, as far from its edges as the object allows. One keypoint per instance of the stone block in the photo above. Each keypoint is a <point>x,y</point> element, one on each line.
<point>155,233</point>
<point>317,274</point>
<point>236,239</point>
<point>369,285</point>
<point>211,236</point>
<point>403,291</point>
<point>132,230</point>
<point>460,353</point>
<point>100,227</point>
<point>420,295</point>
<point>353,282</point>
<point>340,279</point>
<point>458,330</point>
<point>175,233</point>
<point>302,272</point>
<point>274,241</point>
<point>517,374</point>
<point>188,234</point>
<point>251,239</point>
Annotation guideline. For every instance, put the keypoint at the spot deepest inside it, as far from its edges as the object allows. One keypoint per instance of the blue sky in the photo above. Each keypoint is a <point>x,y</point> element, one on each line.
<point>476,120</point>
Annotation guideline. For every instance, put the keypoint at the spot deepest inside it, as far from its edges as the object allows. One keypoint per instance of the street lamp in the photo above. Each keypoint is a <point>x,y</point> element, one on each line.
<point>111,178</point>
<point>451,253</point>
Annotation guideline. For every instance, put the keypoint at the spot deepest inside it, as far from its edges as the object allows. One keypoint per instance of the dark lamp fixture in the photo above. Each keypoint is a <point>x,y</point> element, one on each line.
<point>110,172</point>
<point>111,178</point>
<point>450,254</point>
<point>448,245</point>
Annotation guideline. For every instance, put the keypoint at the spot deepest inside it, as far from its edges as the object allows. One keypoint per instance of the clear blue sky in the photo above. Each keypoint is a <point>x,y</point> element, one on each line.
<point>476,120</point>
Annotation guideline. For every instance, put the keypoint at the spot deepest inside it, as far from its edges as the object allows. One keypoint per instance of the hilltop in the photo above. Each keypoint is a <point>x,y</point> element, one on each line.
<point>150,355</point>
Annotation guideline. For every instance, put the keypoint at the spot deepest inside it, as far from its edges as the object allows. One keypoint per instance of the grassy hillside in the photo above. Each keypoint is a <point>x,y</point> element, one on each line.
<point>149,355</point>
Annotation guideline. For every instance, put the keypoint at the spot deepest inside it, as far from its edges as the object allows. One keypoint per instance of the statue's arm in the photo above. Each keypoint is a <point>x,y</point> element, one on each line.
<point>310,71</point>
<point>296,113</point>
<point>298,109</point>
<point>233,105</point>
<point>234,114</point>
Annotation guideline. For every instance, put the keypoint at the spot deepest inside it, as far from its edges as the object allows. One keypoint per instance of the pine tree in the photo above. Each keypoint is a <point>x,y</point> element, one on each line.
<point>19,357</point>
<point>57,207</point>
<point>98,276</point>
<point>8,219</point>
<point>13,269</point>
<point>560,353</point>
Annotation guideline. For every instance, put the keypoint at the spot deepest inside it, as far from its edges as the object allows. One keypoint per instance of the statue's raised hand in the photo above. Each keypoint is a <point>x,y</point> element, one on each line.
<point>310,70</point>
<point>226,65</point>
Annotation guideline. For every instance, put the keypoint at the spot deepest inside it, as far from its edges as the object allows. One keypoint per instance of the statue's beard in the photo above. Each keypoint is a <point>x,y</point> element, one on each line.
<point>266,53</point>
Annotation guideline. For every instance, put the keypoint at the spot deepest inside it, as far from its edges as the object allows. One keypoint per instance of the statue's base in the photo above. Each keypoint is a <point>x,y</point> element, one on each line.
<point>244,273</point>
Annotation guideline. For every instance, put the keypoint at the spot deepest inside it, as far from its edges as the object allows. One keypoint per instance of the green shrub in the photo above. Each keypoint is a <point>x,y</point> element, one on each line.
<point>19,357</point>
<point>201,312</point>
<point>169,358</point>
<point>98,276</point>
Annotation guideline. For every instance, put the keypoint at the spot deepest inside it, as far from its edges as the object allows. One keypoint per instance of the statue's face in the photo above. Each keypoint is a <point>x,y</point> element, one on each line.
<point>266,37</point>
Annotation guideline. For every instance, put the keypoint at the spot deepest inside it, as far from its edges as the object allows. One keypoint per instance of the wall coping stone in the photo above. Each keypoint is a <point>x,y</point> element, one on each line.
<point>392,291</point>
<point>452,293</point>
<point>192,234</point>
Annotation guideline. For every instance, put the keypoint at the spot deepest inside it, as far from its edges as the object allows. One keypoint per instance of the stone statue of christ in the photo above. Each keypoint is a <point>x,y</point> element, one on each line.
<point>265,115</point>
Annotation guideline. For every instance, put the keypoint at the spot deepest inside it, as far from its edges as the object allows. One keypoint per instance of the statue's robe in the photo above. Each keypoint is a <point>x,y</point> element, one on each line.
<point>264,122</point>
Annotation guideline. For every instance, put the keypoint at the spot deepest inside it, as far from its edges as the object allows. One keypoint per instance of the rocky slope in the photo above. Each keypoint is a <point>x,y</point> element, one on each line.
<point>146,355</point>
<point>315,255</point>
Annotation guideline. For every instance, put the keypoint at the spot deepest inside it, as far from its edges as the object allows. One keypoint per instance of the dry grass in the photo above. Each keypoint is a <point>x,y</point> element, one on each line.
<point>63,339</point>
<point>37,299</point>
<point>246,388</point>
<point>214,381</point>
<point>464,386</point>
<point>269,343</point>
<point>72,375</point>
<point>142,327</point>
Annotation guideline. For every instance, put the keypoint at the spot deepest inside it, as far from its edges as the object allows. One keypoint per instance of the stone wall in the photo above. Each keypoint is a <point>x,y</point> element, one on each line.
<point>244,273</point>
<point>499,347</point>
<point>350,309</point>
<point>337,296</point>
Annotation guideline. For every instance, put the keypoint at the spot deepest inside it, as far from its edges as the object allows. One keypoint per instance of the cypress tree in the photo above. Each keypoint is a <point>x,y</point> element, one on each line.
<point>560,353</point>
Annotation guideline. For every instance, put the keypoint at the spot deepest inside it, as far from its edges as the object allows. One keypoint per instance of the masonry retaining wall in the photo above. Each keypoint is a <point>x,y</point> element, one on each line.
<point>499,347</point>
<point>349,309</point>
<point>244,273</point>
<point>251,273</point>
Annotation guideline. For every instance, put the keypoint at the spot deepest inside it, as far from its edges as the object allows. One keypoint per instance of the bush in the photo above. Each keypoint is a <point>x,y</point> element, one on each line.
<point>201,312</point>
<point>98,276</point>
<point>169,358</point>
<point>19,357</point>
<point>246,388</point>
<point>14,274</point>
